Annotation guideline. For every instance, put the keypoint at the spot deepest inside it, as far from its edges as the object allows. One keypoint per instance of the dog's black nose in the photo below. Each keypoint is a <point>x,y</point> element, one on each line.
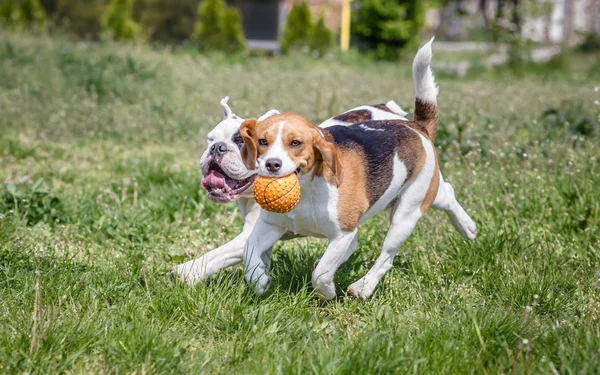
<point>273,165</point>
<point>218,149</point>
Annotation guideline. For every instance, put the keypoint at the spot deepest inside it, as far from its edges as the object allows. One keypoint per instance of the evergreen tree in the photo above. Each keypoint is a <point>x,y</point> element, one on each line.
<point>298,28</point>
<point>209,27</point>
<point>321,38</point>
<point>233,34</point>
<point>219,27</point>
<point>23,12</point>
<point>9,13</point>
<point>31,13</point>
<point>118,22</point>
<point>388,26</point>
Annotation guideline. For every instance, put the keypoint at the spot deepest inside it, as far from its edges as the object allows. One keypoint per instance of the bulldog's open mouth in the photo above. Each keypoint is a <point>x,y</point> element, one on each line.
<point>222,188</point>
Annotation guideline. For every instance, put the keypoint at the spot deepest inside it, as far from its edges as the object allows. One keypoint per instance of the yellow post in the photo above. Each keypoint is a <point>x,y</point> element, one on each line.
<point>345,27</point>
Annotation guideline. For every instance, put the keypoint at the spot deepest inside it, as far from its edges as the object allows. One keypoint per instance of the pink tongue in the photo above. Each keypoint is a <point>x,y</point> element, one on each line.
<point>213,180</point>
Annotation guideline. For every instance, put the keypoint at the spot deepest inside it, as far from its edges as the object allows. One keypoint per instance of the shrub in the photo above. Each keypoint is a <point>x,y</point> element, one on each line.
<point>117,21</point>
<point>297,33</point>
<point>9,13</point>
<point>32,13</point>
<point>24,12</point>
<point>387,26</point>
<point>218,27</point>
<point>301,33</point>
<point>33,206</point>
<point>321,38</point>
<point>233,34</point>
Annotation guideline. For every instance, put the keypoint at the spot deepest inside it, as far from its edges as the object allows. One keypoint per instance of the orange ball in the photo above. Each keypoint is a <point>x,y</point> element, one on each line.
<point>279,195</point>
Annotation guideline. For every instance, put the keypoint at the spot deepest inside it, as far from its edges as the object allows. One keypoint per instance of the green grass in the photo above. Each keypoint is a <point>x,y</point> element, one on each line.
<point>115,133</point>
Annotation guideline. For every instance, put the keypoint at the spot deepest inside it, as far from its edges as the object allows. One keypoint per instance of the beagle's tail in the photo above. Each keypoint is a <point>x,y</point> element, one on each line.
<point>426,110</point>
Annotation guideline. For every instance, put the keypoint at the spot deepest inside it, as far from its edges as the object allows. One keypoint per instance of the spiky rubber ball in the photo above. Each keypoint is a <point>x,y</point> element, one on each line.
<point>275,194</point>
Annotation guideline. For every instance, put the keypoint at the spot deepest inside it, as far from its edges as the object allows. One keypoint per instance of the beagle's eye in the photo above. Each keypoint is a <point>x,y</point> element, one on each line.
<point>262,142</point>
<point>295,143</point>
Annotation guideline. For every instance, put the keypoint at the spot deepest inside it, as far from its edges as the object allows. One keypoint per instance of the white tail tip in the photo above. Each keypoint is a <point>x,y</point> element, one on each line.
<point>424,82</point>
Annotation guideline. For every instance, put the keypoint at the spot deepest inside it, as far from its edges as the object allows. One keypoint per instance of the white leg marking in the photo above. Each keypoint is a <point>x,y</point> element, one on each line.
<point>446,200</point>
<point>405,216</point>
<point>257,254</point>
<point>338,251</point>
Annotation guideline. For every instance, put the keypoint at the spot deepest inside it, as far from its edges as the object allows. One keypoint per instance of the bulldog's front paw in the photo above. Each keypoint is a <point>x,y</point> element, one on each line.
<point>258,280</point>
<point>187,273</point>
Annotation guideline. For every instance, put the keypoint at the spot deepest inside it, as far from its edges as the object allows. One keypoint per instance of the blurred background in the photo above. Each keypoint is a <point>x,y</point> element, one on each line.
<point>383,28</point>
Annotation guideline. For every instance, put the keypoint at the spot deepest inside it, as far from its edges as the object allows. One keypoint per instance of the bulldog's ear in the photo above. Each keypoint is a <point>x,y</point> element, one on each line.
<point>249,149</point>
<point>329,154</point>
<point>269,114</point>
<point>227,112</point>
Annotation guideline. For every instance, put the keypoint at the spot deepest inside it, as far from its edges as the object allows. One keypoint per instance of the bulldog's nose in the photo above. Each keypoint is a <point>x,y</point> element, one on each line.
<point>273,165</point>
<point>218,149</point>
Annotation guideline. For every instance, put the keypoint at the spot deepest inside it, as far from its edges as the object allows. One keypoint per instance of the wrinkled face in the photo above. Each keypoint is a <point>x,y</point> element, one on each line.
<point>284,144</point>
<point>225,175</point>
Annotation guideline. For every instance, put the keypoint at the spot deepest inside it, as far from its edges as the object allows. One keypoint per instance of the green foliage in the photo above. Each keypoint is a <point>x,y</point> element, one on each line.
<point>9,13</point>
<point>570,119</point>
<point>301,33</point>
<point>219,27</point>
<point>387,26</point>
<point>33,206</point>
<point>27,13</point>
<point>32,13</point>
<point>233,33</point>
<point>591,42</point>
<point>321,38</point>
<point>298,28</point>
<point>117,21</point>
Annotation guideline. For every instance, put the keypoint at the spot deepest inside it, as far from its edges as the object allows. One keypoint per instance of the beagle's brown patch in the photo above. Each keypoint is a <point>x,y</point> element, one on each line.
<point>433,188</point>
<point>353,200</point>
<point>354,117</point>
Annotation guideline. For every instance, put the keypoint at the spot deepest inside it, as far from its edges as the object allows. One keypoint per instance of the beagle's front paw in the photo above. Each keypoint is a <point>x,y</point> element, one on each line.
<point>325,289</point>
<point>361,289</point>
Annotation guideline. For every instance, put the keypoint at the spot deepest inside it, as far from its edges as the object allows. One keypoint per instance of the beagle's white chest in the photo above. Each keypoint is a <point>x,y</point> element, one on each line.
<point>316,213</point>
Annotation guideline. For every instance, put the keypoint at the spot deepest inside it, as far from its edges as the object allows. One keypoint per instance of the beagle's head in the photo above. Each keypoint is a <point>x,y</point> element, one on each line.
<point>288,143</point>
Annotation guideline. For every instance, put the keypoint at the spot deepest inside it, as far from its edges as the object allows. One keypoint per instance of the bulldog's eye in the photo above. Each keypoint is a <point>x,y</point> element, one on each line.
<point>262,142</point>
<point>295,143</point>
<point>237,139</point>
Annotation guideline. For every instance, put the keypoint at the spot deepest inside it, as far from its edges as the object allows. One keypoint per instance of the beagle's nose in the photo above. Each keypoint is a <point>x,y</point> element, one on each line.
<point>273,165</point>
<point>218,149</point>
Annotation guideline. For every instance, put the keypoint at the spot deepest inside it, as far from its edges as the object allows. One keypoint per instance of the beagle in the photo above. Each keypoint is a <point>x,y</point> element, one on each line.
<point>347,175</point>
<point>227,179</point>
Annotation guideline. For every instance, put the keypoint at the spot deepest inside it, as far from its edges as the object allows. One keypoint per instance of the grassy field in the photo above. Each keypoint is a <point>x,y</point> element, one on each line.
<point>98,157</point>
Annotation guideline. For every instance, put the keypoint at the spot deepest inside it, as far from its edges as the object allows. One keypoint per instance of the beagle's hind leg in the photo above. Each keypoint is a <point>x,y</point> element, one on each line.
<point>446,200</point>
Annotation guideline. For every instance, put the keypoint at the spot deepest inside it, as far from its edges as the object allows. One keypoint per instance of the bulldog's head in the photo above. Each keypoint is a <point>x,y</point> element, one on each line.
<point>226,178</point>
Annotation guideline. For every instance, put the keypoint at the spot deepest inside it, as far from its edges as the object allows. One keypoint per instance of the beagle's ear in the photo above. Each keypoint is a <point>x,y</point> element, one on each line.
<point>249,151</point>
<point>329,154</point>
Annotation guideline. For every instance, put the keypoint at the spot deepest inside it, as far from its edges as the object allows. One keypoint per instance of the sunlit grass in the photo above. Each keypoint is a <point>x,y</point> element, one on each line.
<point>115,133</point>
